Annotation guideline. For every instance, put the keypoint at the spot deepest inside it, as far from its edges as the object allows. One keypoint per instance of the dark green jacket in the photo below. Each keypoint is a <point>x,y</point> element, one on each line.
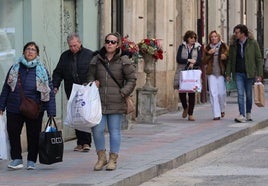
<point>253,59</point>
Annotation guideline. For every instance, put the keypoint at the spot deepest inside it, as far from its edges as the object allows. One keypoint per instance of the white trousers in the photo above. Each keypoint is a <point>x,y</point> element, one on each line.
<point>217,94</point>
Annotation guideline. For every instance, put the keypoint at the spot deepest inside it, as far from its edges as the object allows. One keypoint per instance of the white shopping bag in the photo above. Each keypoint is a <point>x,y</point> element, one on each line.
<point>190,81</point>
<point>84,107</point>
<point>4,141</point>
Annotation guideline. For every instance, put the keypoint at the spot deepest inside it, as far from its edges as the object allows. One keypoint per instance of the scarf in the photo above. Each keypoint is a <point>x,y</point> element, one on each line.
<point>217,46</point>
<point>42,84</point>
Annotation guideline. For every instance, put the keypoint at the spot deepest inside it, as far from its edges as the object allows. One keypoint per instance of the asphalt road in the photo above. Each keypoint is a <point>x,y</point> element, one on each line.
<point>241,163</point>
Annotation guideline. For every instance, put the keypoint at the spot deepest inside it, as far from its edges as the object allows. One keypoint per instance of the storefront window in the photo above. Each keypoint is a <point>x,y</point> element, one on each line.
<point>10,34</point>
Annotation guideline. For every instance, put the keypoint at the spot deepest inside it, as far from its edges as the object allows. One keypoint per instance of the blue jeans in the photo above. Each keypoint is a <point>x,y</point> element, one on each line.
<point>244,85</point>
<point>113,122</point>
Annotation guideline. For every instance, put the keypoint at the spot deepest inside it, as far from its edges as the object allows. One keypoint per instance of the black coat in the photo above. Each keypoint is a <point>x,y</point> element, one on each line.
<point>72,72</point>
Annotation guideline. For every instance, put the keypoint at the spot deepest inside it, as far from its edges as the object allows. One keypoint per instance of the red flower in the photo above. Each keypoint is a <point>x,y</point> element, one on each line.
<point>152,47</point>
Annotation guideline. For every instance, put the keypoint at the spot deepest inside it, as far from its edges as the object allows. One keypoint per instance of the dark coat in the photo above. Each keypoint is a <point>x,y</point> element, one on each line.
<point>11,100</point>
<point>65,69</point>
<point>124,72</point>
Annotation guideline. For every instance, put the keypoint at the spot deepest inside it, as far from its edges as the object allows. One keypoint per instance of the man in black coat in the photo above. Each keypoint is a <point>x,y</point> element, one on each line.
<point>73,67</point>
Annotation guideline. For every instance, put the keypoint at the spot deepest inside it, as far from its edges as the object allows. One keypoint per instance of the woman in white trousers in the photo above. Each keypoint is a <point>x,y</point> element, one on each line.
<point>215,59</point>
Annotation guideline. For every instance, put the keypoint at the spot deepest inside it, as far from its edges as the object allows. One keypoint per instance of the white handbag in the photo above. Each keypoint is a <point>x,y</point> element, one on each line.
<point>84,107</point>
<point>190,81</point>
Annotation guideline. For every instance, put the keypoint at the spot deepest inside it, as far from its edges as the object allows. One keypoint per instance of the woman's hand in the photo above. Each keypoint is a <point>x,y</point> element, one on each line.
<point>192,61</point>
<point>97,83</point>
<point>223,57</point>
<point>212,51</point>
<point>1,112</point>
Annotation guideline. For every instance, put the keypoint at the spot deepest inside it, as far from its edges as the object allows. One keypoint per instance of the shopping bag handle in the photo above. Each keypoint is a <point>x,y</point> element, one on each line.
<point>49,123</point>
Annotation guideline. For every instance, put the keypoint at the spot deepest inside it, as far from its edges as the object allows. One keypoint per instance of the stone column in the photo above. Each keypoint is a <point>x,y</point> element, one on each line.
<point>146,110</point>
<point>251,19</point>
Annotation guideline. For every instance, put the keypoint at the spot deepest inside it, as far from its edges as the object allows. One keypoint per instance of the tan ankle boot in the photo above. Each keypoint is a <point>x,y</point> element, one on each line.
<point>112,162</point>
<point>102,160</point>
<point>191,118</point>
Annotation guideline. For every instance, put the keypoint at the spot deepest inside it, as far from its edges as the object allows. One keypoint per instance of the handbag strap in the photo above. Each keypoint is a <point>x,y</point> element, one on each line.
<point>20,87</point>
<point>110,73</point>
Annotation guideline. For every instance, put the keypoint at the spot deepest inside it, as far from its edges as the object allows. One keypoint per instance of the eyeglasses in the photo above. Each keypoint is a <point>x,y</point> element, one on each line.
<point>30,50</point>
<point>110,41</point>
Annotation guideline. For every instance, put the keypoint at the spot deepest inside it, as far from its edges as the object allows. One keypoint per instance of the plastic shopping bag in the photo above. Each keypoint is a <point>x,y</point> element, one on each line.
<point>4,141</point>
<point>190,81</point>
<point>84,107</point>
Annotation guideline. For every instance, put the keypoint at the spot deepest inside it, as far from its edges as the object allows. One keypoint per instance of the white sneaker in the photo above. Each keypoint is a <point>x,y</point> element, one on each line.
<point>248,116</point>
<point>240,119</point>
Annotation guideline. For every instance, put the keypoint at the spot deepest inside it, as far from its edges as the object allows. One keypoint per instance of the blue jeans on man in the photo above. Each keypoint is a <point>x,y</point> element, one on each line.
<point>244,87</point>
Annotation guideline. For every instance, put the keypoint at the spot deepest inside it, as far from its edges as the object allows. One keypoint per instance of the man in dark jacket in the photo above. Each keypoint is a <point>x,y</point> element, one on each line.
<point>73,67</point>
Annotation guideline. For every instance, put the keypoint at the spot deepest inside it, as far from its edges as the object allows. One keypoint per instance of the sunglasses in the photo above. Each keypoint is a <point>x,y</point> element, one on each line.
<point>110,41</point>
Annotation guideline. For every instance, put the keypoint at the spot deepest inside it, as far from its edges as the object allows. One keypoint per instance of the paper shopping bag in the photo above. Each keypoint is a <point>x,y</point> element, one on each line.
<point>190,81</point>
<point>259,95</point>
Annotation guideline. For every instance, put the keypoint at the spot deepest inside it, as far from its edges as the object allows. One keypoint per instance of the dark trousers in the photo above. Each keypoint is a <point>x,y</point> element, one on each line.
<point>191,101</point>
<point>33,128</point>
<point>83,137</point>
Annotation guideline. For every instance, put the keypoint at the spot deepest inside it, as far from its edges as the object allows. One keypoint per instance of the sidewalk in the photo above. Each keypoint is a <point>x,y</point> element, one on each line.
<point>147,150</point>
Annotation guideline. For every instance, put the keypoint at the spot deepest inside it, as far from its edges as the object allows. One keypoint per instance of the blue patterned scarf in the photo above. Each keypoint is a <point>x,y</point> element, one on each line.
<point>42,83</point>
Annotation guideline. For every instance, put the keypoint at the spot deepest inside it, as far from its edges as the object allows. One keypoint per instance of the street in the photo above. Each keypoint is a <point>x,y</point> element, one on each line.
<point>241,163</point>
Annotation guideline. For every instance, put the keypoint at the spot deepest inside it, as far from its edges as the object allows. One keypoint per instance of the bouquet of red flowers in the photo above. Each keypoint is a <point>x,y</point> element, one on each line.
<point>130,48</point>
<point>152,47</point>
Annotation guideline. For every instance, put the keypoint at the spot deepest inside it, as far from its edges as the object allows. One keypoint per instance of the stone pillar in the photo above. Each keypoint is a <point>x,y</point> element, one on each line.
<point>234,15</point>
<point>265,15</point>
<point>251,17</point>
<point>146,107</point>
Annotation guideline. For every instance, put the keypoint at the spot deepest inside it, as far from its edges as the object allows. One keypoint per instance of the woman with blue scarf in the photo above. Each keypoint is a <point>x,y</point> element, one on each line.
<point>29,73</point>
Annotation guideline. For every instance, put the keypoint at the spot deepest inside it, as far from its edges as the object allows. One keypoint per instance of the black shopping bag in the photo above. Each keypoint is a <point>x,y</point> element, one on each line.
<point>50,145</point>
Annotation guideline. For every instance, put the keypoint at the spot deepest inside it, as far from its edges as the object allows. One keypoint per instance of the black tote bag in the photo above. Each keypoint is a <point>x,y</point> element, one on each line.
<point>50,145</point>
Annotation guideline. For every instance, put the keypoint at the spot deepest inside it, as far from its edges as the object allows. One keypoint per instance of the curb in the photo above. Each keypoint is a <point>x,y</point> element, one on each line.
<point>161,168</point>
